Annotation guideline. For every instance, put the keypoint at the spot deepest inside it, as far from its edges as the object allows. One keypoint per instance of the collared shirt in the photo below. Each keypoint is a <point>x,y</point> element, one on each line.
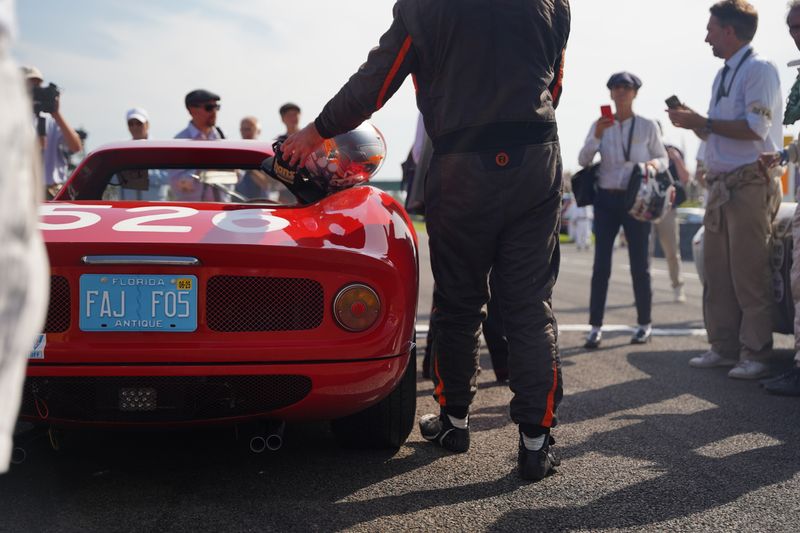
<point>199,191</point>
<point>54,155</point>
<point>614,172</point>
<point>752,94</point>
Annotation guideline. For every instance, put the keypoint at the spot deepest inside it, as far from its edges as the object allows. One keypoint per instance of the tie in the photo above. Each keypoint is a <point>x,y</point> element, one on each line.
<point>721,92</point>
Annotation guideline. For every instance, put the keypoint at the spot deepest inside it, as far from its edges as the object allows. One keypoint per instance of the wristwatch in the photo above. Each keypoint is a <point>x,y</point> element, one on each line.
<point>709,126</point>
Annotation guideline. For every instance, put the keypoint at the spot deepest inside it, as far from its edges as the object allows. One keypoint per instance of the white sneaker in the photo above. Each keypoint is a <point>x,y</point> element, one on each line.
<point>749,370</point>
<point>680,296</point>
<point>710,359</point>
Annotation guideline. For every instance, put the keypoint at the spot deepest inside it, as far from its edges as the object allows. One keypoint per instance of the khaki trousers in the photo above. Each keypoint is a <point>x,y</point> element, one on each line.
<point>737,297</point>
<point>667,231</point>
<point>796,279</point>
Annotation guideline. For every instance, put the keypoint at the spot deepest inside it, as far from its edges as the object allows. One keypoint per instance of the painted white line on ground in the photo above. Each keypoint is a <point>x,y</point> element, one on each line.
<point>687,267</point>
<point>422,330</point>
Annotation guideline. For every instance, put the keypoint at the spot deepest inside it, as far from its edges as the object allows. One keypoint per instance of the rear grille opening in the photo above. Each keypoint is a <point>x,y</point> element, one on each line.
<point>169,398</point>
<point>252,303</point>
<point>58,311</point>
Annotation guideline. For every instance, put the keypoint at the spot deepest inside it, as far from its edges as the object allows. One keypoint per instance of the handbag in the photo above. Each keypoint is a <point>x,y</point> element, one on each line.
<point>584,185</point>
<point>650,194</point>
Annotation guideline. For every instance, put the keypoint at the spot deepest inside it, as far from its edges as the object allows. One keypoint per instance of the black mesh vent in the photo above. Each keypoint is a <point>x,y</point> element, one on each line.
<point>179,398</point>
<point>58,312</point>
<point>250,303</point>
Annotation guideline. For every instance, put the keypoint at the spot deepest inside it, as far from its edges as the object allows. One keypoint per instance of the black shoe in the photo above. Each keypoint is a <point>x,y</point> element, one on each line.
<point>438,429</point>
<point>787,384</point>
<point>537,465</point>
<point>593,340</point>
<point>642,335</point>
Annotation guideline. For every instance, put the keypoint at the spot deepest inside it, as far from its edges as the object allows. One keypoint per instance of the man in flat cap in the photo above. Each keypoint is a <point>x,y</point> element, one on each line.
<point>743,121</point>
<point>203,106</point>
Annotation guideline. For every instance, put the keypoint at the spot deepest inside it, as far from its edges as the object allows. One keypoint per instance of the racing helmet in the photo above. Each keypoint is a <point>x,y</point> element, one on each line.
<point>348,159</point>
<point>650,194</point>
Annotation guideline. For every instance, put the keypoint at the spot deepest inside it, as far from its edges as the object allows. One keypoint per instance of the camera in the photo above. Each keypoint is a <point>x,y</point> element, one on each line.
<point>44,98</point>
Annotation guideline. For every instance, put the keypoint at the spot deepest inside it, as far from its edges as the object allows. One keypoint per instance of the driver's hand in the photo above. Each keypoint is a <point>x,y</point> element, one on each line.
<point>301,145</point>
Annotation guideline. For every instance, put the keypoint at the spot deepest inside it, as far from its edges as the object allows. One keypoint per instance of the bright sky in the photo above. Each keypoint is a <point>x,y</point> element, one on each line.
<point>110,55</point>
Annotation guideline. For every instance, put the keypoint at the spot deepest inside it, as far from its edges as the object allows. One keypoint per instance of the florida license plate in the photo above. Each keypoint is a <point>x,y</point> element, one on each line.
<point>132,302</point>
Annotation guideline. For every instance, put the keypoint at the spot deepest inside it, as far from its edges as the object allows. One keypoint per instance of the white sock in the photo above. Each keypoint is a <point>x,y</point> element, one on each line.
<point>458,423</point>
<point>533,444</point>
<point>646,327</point>
<point>595,330</point>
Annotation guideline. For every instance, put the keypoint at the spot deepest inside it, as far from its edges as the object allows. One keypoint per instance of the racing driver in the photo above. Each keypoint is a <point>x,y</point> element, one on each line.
<point>488,79</point>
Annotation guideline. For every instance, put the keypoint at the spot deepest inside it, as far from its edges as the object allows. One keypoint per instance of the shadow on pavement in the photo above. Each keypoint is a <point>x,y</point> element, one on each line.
<point>699,442</point>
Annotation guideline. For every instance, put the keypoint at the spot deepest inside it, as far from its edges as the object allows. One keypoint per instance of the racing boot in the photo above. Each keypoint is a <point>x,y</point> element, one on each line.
<point>440,429</point>
<point>535,465</point>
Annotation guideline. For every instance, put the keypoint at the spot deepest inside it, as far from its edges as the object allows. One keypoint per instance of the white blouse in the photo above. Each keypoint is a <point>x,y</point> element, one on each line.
<point>614,172</point>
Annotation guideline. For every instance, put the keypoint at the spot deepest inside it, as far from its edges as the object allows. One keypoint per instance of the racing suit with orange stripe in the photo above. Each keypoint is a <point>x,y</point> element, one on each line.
<point>488,79</point>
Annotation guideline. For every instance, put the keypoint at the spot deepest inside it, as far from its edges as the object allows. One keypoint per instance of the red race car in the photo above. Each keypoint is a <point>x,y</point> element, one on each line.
<point>223,310</point>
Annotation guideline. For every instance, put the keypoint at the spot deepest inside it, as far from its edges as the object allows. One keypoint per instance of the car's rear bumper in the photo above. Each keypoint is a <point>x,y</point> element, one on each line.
<point>189,395</point>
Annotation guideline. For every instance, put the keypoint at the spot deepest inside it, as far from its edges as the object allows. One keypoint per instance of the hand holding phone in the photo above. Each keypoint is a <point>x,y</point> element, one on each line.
<point>606,112</point>
<point>673,102</point>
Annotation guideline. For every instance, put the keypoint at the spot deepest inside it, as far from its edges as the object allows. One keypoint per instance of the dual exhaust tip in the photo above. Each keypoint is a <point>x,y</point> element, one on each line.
<point>272,440</point>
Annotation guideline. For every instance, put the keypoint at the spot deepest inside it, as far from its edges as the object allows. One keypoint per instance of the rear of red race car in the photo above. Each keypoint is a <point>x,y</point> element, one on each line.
<point>186,314</point>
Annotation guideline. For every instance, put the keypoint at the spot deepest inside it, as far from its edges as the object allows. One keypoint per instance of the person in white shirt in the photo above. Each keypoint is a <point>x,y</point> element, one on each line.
<point>580,225</point>
<point>743,122</point>
<point>623,142</point>
<point>23,260</point>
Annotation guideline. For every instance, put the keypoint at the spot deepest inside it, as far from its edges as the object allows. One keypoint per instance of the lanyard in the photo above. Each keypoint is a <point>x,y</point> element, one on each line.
<point>627,153</point>
<point>722,92</point>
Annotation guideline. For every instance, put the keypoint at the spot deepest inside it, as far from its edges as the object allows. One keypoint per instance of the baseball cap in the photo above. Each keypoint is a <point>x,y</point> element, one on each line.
<point>137,113</point>
<point>624,78</point>
<point>288,107</point>
<point>198,96</point>
<point>31,72</point>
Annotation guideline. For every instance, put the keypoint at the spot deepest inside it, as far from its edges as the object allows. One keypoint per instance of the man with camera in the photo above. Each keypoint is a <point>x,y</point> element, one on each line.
<point>57,138</point>
<point>743,121</point>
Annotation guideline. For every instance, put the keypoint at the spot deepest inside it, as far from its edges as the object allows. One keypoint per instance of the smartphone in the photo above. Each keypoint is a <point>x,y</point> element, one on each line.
<point>605,112</point>
<point>673,102</point>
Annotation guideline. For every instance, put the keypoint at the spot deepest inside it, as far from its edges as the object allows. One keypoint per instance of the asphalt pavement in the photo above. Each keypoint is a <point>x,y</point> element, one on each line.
<point>648,443</point>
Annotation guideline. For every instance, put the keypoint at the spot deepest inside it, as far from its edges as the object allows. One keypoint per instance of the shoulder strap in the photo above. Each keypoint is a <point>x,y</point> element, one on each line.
<point>219,130</point>
<point>627,152</point>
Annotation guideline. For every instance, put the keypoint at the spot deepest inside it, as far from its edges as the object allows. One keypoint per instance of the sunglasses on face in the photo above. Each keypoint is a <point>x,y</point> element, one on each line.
<point>209,107</point>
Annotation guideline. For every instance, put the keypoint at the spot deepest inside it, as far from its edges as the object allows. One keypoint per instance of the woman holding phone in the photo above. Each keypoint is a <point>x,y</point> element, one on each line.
<point>623,140</point>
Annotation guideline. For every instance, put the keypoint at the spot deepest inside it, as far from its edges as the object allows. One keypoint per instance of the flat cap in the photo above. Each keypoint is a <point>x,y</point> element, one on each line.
<point>198,96</point>
<point>624,78</point>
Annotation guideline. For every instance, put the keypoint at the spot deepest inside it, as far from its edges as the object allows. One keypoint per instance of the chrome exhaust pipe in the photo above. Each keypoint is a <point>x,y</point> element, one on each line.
<point>258,444</point>
<point>274,439</point>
